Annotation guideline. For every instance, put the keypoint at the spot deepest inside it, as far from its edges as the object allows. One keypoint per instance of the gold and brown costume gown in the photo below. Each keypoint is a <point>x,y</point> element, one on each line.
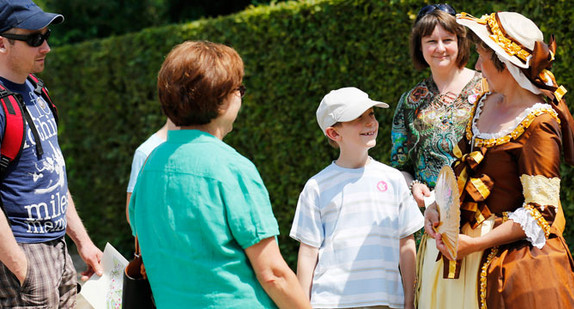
<point>515,176</point>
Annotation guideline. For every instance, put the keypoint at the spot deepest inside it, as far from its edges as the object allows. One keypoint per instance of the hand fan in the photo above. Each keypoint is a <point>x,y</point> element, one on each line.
<point>447,199</point>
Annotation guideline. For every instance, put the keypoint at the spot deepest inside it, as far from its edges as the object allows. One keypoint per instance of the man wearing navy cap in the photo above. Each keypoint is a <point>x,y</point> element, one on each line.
<point>37,210</point>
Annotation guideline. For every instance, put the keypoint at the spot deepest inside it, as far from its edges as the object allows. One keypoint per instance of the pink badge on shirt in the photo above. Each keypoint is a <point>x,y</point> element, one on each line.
<point>382,186</point>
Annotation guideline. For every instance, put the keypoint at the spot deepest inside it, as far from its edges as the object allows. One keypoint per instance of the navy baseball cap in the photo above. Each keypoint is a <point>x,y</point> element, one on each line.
<point>25,14</point>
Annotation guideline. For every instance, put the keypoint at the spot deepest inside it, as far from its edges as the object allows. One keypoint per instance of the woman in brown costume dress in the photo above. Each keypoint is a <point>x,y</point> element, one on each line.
<point>508,172</point>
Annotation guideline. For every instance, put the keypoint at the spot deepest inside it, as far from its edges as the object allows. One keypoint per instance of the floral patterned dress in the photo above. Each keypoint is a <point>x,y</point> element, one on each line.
<point>427,126</point>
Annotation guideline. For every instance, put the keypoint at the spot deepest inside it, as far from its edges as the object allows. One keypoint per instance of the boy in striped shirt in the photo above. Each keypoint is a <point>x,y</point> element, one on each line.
<point>356,218</point>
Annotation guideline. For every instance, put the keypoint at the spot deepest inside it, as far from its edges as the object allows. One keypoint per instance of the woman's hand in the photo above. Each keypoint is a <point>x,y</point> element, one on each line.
<point>420,191</point>
<point>466,246</point>
<point>432,220</point>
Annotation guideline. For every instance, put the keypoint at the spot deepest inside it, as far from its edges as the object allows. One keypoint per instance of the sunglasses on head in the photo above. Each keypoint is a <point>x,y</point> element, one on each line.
<point>34,39</point>
<point>445,7</point>
<point>241,90</point>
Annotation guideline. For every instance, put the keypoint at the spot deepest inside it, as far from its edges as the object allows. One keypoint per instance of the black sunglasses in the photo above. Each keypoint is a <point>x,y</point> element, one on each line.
<point>34,39</point>
<point>241,90</point>
<point>445,7</point>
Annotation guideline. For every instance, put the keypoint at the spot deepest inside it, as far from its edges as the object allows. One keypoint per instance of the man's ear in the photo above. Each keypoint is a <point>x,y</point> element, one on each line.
<point>3,42</point>
<point>332,133</point>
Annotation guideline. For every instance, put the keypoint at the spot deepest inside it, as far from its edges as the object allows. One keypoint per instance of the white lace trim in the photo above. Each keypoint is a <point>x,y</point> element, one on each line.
<point>534,233</point>
<point>541,190</point>
<point>476,132</point>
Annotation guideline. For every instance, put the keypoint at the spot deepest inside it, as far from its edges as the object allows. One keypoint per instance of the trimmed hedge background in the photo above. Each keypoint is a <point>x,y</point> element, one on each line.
<point>294,53</point>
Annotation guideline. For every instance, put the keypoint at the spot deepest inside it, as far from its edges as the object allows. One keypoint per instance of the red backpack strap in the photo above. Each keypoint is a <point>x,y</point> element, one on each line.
<point>13,139</point>
<point>40,90</point>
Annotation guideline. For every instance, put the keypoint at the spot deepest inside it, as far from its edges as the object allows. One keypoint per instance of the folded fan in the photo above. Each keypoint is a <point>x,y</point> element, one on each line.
<point>447,199</point>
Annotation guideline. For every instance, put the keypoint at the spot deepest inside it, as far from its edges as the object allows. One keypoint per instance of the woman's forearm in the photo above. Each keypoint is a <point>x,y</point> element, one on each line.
<point>275,276</point>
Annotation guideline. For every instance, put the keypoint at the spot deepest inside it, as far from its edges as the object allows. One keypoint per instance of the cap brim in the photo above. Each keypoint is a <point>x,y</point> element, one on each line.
<point>357,110</point>
<point>481,31</point>
<point>41,20</point>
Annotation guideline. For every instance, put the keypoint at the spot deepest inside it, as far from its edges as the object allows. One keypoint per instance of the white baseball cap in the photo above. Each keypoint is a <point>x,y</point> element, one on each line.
<point>344,104</point>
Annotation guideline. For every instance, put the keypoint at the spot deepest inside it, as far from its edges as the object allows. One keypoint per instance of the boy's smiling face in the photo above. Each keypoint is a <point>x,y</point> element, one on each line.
<point>359,133</point>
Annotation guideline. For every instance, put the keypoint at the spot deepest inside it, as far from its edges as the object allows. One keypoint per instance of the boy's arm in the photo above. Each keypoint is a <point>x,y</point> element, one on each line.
<point>306,263</point>
<point>407,263</point>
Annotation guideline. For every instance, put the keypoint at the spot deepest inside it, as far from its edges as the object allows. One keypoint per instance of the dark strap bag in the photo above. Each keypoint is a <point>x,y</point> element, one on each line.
<point>136,292</point>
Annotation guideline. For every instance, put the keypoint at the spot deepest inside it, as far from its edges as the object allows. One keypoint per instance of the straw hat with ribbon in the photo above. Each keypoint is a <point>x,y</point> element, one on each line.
<point>519,44</point>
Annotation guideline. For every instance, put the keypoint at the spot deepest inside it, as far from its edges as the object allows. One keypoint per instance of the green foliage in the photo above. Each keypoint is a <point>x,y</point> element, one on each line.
<point>85,20</point>
<point>294,53</point>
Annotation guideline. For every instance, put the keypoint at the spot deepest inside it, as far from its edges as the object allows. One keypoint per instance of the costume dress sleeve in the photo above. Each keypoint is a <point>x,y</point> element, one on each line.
<point>539,172</point>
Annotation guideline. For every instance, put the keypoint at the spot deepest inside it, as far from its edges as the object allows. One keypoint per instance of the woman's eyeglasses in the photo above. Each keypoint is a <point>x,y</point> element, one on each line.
<point>241,90</point>
<point>445,7</point>
<point>34,39</point>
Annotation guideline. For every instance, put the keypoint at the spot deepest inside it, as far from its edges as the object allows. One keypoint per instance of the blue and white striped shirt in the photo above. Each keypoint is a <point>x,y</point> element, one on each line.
<point>356,217</point>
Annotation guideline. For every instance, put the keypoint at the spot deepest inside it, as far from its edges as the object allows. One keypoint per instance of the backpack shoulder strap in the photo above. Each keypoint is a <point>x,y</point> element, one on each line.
<point>40,90</point>
<point>13,139</point>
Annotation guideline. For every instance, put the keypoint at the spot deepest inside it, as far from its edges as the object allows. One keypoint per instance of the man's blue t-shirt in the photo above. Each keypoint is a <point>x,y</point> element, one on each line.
<point>34,190</point>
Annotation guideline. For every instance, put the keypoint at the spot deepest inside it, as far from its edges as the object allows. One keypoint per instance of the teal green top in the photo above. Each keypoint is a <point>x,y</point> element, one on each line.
<point>196,206</point>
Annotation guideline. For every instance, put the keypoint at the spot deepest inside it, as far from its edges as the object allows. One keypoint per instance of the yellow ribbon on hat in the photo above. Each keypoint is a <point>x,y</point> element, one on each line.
<point>511,47</point>
<point>548,78</point>
<point>497,35</point>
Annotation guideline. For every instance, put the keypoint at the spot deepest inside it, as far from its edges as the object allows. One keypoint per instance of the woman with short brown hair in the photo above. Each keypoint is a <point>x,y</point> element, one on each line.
<point>200,209</point>
<point>430,118</point>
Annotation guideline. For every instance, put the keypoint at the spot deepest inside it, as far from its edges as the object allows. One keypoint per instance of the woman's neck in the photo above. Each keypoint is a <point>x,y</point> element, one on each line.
<point>501,109</point>
<point>162,133</point>
<point>450,80</point>
<point>209,128</point>
<point>515,96</point>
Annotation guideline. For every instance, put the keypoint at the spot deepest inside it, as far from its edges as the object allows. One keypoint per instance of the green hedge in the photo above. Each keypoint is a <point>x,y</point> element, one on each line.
<point>294,53</point>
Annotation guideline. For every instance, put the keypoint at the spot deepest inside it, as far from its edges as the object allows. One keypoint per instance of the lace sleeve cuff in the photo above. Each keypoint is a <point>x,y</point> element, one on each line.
<point>541,190</point>
<point>534,225</point>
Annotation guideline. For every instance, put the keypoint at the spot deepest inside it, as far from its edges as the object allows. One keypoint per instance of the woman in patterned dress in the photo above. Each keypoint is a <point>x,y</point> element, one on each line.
<point>430,118</point>
<point>511,253</point>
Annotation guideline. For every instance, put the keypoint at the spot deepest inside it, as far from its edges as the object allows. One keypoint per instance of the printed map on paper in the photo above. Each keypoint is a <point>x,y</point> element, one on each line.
<point>105,292</point>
